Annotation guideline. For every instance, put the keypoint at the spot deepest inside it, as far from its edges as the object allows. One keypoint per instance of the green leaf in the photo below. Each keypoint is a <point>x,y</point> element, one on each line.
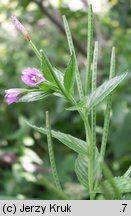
<point>59,75</point>
<point>123,184</point>
<point>51,74</point>
<point>47,69</point>
<point>128,172</point>
<point>48,86</point>
<point>99,94</point>
<point>58,95</point>
<point>32,96</point>
<point>73,143</point>
<point>69,77</point>
<point>81,168</point>
<point>104,90</point>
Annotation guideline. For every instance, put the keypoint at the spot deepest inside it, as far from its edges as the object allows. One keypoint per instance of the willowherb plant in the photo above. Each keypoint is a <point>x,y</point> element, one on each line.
<point>90,168</point>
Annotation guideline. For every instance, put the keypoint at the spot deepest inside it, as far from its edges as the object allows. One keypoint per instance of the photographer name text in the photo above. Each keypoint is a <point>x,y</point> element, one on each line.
<point>41,209</point>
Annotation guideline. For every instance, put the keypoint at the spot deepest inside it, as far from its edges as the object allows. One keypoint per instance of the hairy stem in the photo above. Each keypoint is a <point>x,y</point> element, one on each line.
<point>91,164</point>
<point>90,144</point>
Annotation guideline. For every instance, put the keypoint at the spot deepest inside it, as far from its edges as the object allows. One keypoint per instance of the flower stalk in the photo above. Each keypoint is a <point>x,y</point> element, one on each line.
<point>35,50</point>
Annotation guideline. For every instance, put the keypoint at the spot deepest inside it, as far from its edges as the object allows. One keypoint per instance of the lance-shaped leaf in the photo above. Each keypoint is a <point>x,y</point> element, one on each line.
<point>104,90</point>
<point>51,74</point>
<point>47,69</point>
<point>122,183</point>
<point>73,143</point>
<point>47,85</point>
<point>69,77</point>
<point>81,168</point>
<point>60,75</point>
<point>128,172</point>
<point>99,94</point>
<point>30,96</point>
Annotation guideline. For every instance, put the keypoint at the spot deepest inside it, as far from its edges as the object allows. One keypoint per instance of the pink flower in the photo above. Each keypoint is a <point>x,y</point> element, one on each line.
<point>20,27</point>
<point>32,77</point>
<point>12,95</point>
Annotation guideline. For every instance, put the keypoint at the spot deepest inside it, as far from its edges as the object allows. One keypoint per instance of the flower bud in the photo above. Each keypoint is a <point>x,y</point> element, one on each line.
<point>12,95</point>
<point>20,28</point>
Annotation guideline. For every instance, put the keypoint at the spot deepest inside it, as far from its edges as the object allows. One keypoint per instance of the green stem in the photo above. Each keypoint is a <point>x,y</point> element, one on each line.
<point>91,167</point>
<point>90,143</point>
<point>35,50</point>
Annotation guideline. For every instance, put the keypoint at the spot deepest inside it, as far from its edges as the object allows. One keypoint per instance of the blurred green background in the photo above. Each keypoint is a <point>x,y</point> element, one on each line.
<point>24,164</point>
